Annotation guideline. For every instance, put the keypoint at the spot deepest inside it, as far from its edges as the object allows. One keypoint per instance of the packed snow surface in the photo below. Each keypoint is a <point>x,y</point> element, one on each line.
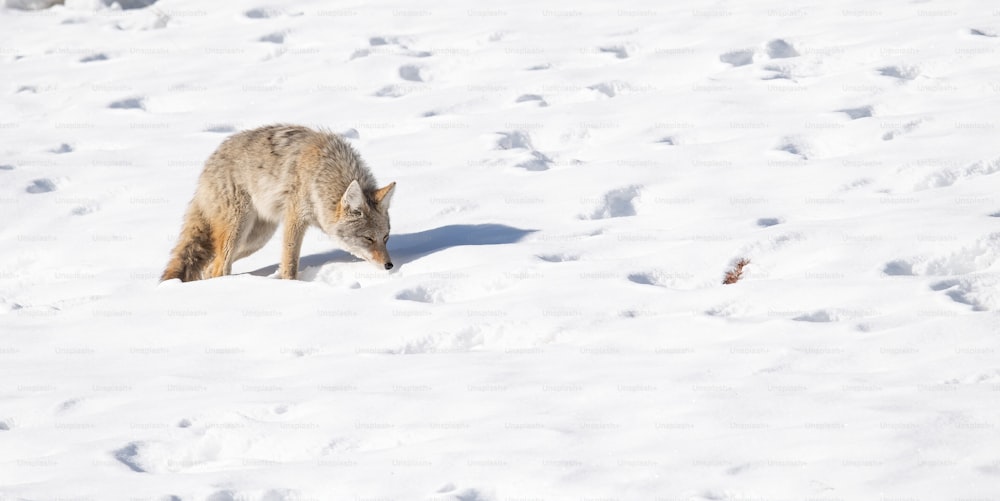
<point>574,180</point>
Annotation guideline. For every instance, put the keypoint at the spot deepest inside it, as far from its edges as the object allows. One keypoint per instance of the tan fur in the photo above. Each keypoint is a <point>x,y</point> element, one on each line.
<point>380,194</point>
<point>280,174</point>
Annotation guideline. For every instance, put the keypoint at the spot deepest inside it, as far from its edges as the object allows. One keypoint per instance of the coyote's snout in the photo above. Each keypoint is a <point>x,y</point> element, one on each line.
<point>287,175</point>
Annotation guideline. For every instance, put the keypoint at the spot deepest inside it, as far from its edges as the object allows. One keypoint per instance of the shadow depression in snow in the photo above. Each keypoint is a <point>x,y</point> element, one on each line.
<point>410,246</point>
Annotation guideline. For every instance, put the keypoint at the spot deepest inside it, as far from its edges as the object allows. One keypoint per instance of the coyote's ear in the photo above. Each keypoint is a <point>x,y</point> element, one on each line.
<point>353,199</point>
<point>384,194</point>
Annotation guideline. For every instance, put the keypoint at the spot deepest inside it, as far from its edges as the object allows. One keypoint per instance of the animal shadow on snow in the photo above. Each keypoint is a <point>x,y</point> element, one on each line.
<point>411,246</point>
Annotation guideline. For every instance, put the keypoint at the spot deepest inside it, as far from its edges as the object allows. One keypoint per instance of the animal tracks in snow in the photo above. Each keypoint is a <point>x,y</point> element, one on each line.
<point>780,49</point>
<point>982,33</point>
<point>268,13</point>
<point>617,50</point>
<point>857,113</point>
<point>950,175</point>
<point>418,294</point>
<point>902,129</point>
<point>980,293</point>
<point>94,58</point>
<point>129,456</point>
<point>130,103</point>
<point>658,278</point>
<point>520,140</point>
<point>532,98</point>
<point>275,38</point>
<point>965,272</point>
<point>905,73</point>
<point>742,57</point>
<point>411,73</point>
<point>766,222</point>
<point>388,45</point>
<point>558,258</point>
<point>43,185</point>
<point>773,49</point>
<point>414,75</point>
<point>617,203</point>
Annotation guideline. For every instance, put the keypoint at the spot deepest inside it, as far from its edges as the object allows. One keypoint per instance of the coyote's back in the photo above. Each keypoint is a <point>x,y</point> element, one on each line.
<point>280,174</point>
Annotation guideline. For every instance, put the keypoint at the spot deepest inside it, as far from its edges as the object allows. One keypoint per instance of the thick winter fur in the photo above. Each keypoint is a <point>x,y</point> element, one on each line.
<point>284,175</point>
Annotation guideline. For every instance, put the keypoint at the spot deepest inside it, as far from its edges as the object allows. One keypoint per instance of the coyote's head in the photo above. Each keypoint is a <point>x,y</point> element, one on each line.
<point>363,225</point>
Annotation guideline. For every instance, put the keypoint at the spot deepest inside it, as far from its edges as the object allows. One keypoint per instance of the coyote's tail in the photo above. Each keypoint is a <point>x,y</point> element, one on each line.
<point>193,250</point>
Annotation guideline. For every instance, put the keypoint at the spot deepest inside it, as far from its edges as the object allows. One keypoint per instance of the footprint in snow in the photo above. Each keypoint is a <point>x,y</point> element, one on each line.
<point>384,44</point>
<point>557,258</point>
<point>391,91</point>
<point>766,222</point>
<point>816,316</point>
<point>795,147</point>
<point>262,13</point>
<point>531,98</point>
<point>520,140</point>
<point>359,53</point>
<point>93,58</point>
<point>62,148</point>
<point>982,33</point>
<point>610,89</point>
<point>515,139</point>
<point>131,103</point>
<point>738,57</point>
<point>644,278</point>
<point>68,405</point>
<point>470,495</point>
<point>979,292</point>
<point>538,162</point>
<point>617,203</point>
<point>275,38</point>
<point>779,73</point>
<point>948,176</point>
<point>6,167</point>
<point>411,73</point>
<point>780,49</point>
<point>130,456</point>
<point>133,4</point>
<point>41,186</point>
<point>378,41</point>
<point>905,129</point>
<point>857,113</point>
<point>900,72</point>
<point>617,50</point>
<point>417,294</point>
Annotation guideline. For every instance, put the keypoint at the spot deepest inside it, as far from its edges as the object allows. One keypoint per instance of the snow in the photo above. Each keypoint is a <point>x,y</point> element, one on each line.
<point>573,182</point>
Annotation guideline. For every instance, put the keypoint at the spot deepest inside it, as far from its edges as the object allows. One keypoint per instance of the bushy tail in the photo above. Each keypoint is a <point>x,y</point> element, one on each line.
<point>193,250</point>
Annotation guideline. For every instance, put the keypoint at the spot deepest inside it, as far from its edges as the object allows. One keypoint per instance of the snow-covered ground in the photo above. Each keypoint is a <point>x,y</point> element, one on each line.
<point>574,178</point>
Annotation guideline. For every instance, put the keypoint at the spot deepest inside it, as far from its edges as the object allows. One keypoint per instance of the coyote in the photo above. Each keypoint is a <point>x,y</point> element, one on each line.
<point>280,174</point>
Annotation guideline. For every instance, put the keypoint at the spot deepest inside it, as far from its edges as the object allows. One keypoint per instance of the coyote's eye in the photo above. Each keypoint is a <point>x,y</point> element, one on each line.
<point>370,240</point>
<point>385,238</point>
